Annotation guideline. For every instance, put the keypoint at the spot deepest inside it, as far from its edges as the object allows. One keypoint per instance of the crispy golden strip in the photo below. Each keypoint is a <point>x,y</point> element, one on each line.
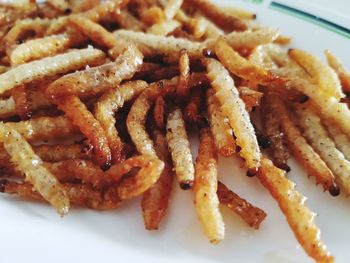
<point>61,152</point>
<point>203,28</point>
<point>240,66</point>
<point>93,81</point>
<point>184,68</point>
<point>108,105</point>
<point>83,5</point>
<point>318,137</point>
<point>49,66</point>
<point>239,13</point>
<point>159,112</point>
<point>219,16</point>
<point>221,130</point>
<point>252,215</point>
<point>80,116</point>
<point>79,194</point>
<point>321,74</point>
<point>339,68</point>
<point>340,139</point>
<point>250,97</point>
<point>192,112</point>
<point>21,97</point>
<point>44,47</point>
<point>302,150</point>
<point>164,28</point>
<point>272,129</point>
<point>104,9</point>
<point>152,15</point>
<point>205,187</point>
<point>43,128</point>
<point>156,199</point>
<point>171,7</point>
<point>126,20</point>
<point>27,162</point>
<point>298,215</point>
<point>60,5</point>
<point>179,147</point>
<point>234,109</point>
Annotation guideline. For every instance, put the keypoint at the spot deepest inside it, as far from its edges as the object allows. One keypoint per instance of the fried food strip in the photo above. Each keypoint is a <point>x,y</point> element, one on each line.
<point>163,73</point>
<point>325,147</point>
<point>171,7</point>
<point>340,139</point>
<point>152,15</point>
<point>93,81</point>
<point>83,5</point>
<point>108,105</point>
<point>43,128</point>
<point>163,28</point>
<point>49,66</point>
<point>234,109</point>
<point>28,163</point>
<point>155,200</point>
<point>205,186</point>
<point>339,68</point>
<point>44,47</point>
<point>184,68</point>
<point>240,66</point>
<point>61,5</point>
<point>250,97</point>
<point>321,74</point>
<point>80,116</point>
<point>221,130</point>
<point>272,129</point>
<point>193,107</point>
<point>298,215</point>
<point>159,112</point>
<point>302,150</point>
<point>221,18</point>
<point>21,97</point>
<point>61,152</point>
<point>252,215</point>
<point>151,45</point>
<point>126,20</point>
<point>179,147</point>
<point>79,194</point>
<point>104,9</point>
<point>239,13</point>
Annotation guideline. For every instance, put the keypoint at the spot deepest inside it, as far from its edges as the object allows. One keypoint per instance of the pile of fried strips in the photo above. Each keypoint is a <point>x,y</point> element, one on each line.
<point>97,99</point>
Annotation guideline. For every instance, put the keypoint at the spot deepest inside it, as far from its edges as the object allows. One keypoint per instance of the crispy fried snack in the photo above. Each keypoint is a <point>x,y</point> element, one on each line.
<point>340,139</point>
<point>106,108</point>
<point>321,74</point>
<point>220,128</point>
<point>301,149</point>
<point>80,116</point>
<point>252,215</point>
<point>250,97</point>
<point>49,66</point>
<point>234,109</point>
<point>126,20</point>
<point>93,81</point>
<point>60,5</point>
<point>272,129</point>
<point>43,47</point>
<point>156,199</point>
<point>164,28</point>
<point>193,107</point>
<point>28,163</point>
<point>159,112</point>
<point>239,13</point>
<point>179,148</point>
<point>171,7</point>
<point>216,14</point>
<point>79,194</point>
<point>338,67</point>
<point>184,69</point>
<point>21,98</point>
<point>62,152</point>
<point>205,187</point>
<point>298,215</point>
<point>324,146</point>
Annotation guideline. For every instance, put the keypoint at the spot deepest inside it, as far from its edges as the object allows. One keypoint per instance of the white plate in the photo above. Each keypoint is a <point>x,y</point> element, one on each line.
<point>33,232</point>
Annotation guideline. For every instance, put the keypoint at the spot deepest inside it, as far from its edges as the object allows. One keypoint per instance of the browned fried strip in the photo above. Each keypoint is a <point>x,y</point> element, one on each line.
<point>159,112</point>
<point>184,69</point>
<point>21,97</point>
<point>193,107</point>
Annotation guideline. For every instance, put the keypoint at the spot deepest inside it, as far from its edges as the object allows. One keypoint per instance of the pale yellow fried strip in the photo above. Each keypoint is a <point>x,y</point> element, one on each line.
<point>163,28</point>
<point>27,162</point>
<point>221,130</point>
<point>339,68</point>
<point>205,187</point>
<point>126,20</point>
<point>171,7</point>
<point>298,215</point>
<point>48,67</point>
<point>325,147</point>
<point>233,108</point>
<point>60,5</point>
<point>238,12</point>
<point>179,147</point>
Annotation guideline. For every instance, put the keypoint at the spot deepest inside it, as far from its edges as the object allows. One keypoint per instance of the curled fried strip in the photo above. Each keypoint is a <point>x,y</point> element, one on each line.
<point>219,16</point>
<point>80,116</point>
<point>79,194</point>
<point>272,129</point>
<point>21,97</point>
<point>221,130</point>
<point>184,69</point>
<point>49,66</point>
<point>93,81</point>
<point>27,162</point>
<point>318,137</point>
<point>234,109</point>
<point>252,215</point>
<point>302,150</point>
<point>106,108</point>
<point>339,68</point>
<point>298,215</point>
<point>159,112</point>
<point>205,188</point>
<point>179,147</point>
<point>156,199</point>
